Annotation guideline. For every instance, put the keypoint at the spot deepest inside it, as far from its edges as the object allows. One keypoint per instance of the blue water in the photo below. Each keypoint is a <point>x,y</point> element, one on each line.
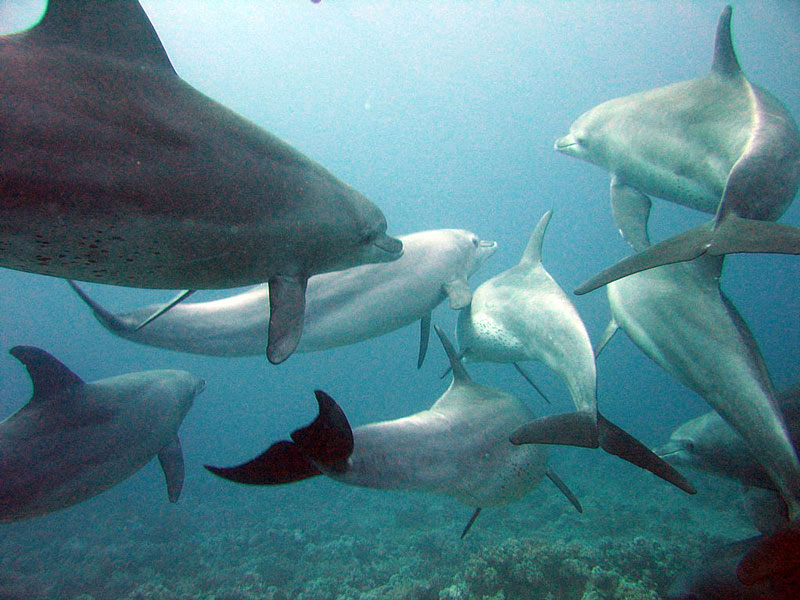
<point>444,114</point>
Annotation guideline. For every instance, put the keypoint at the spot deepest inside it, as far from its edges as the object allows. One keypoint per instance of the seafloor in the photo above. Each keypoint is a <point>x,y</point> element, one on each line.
<point>319,540</point>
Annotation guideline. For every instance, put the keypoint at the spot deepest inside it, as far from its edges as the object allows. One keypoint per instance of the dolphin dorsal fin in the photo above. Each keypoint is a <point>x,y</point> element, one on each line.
<point>119,28</point>
<point>725,62</point>
<point>460,374</point>
<point>533,251</point>
<point>49,376</point>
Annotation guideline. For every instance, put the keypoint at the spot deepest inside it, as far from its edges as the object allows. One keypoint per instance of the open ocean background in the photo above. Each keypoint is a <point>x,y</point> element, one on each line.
<point>444,113</point>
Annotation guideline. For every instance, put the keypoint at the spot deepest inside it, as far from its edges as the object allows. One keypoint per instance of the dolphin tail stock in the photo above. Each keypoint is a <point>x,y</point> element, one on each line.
<point>580,429</point>
<point>325,444</point>
<point>777,555</point>
<point>727,234</point>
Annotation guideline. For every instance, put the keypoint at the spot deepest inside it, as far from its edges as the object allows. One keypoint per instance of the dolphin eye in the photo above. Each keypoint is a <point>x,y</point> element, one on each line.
<point>475,242</point>
<point>690,446</point>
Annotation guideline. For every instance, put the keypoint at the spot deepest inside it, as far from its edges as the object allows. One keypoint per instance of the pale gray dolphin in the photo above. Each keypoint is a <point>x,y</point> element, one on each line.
<point>115,170</point>
<point>523,314</point>
<point>73,440</point>
<point>680,318</point>
<point>719,144</point>
<point>343,307</point>
<point>708,443</point>
<point>458,447</point>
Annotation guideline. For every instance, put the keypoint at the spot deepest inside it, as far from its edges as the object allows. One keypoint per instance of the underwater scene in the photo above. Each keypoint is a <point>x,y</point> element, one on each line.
<point>307,464</point>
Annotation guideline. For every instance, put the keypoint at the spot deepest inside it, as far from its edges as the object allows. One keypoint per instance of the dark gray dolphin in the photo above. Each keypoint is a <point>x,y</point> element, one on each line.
<point>680,318</point>
<point>115,170</point>
<point>718,143</point>
<point>458,447</point>
<point>73,440</point>
<point>343,307</point>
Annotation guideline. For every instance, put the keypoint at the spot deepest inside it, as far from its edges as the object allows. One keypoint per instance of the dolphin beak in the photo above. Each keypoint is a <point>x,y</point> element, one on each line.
<point>565,142</point>
<point>667,450</point>
<point>392,246</point>
<point>201,385</point>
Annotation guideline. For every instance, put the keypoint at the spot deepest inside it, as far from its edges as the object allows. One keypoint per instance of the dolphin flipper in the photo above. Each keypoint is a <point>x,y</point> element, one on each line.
<point>174,302</point>
<point>459,292</point>
<point>530,380</point>
<point>609,332</point>
<point>287,305</point>
<point>424,336</point>
<point>171,459</point>
<point>108,319</point>
<point>573,499</point>
<point>470,522</point>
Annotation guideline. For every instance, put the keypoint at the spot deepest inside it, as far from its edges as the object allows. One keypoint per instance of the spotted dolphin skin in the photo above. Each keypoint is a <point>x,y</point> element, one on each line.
<point>458,447</point>
<point>114,170</point>
<point>719,144</point>
<point>74,440</point>
<point>342,308</point>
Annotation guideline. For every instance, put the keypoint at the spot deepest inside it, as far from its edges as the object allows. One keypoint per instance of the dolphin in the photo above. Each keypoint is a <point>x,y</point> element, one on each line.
<point>74,440</point>
<point>114,170</point>
<point>718,143</point>
<point>458,447</point>
<point>708,443</point>
<point>523,314</point>
<point>714,578</point>
<point>680,318</point>
<point>342,307</point>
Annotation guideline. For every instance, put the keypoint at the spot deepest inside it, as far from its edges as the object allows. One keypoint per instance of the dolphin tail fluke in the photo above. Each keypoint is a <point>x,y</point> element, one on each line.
<point>729,235</point>
<point>470,522</point>
<point>775,556</point>
<point>562,487</point>
<point>567,429</point>
<point>326,442</point>
<point>618,442</point>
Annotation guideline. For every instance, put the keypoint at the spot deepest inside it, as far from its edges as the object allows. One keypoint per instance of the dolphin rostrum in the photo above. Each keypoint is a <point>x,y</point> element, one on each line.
<point>718,143</point>
<point>74,440</point>
<point>458,447</point>
<point>523,314</point>
<point>115,170</point>
<point>343,307</point>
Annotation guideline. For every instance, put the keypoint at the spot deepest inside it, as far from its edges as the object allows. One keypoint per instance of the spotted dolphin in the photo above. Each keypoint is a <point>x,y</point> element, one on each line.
<point>114,170</point>
<point>343,307</point>
<point>458,447</point>
<point>718,143</point>
<point>74,440</point>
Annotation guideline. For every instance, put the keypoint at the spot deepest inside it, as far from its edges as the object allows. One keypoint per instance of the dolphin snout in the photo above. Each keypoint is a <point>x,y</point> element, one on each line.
<point>565,142</point>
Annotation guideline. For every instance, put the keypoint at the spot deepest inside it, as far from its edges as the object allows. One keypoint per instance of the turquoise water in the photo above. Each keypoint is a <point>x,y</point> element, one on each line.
<point>444,114</point>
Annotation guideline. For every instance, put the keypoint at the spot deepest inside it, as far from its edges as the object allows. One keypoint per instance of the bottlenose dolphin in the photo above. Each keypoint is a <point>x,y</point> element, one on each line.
<point>707,443</point>
<point>680,318</point>
<point>715,578</point>
<point>523,314</point>
<point>115,170</point>
<point>342,308</point>
<point>719,144</point>
<point>74,440</point>
<point>458,447</point>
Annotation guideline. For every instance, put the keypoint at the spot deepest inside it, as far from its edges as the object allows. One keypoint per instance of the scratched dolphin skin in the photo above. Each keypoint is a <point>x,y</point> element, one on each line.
<point>342,308</point>
<point>718,143</point>
<point>115,170</point>
<point>458,447</point>
<point>74,440</point>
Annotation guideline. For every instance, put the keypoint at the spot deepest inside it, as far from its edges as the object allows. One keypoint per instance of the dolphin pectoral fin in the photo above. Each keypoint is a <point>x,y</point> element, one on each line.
<point>328,440</point>
<point>470,522</point>
<point>567,429</point>
<point>734,235</point>
<point>171,459</point>
<point>106,318</point>
<point>424,336</point>
<point>683,247</point>
<point>564,490</point>
<point>287,306</point>
<point>618,442</point>
<point>631,211</point>
<point>775,555</point>
<point>174,302</point>
<point>459,293</point>
<point>609,332</point>
<point>530,380</point>
<point>282,462</point>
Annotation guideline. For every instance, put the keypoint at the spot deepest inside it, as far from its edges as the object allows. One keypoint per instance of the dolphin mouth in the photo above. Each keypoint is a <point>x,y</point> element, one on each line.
<point>391,246</point>
<point>666,451</point>
<point>564,142</point>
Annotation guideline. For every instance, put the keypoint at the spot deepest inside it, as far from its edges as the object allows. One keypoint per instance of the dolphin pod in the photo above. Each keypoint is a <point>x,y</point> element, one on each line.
<point>198,198</point>
<point>719,144</point>
<point>343,307</point>
<point>523,314</point>
<point>73,440</point>
<point>458,447</point>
